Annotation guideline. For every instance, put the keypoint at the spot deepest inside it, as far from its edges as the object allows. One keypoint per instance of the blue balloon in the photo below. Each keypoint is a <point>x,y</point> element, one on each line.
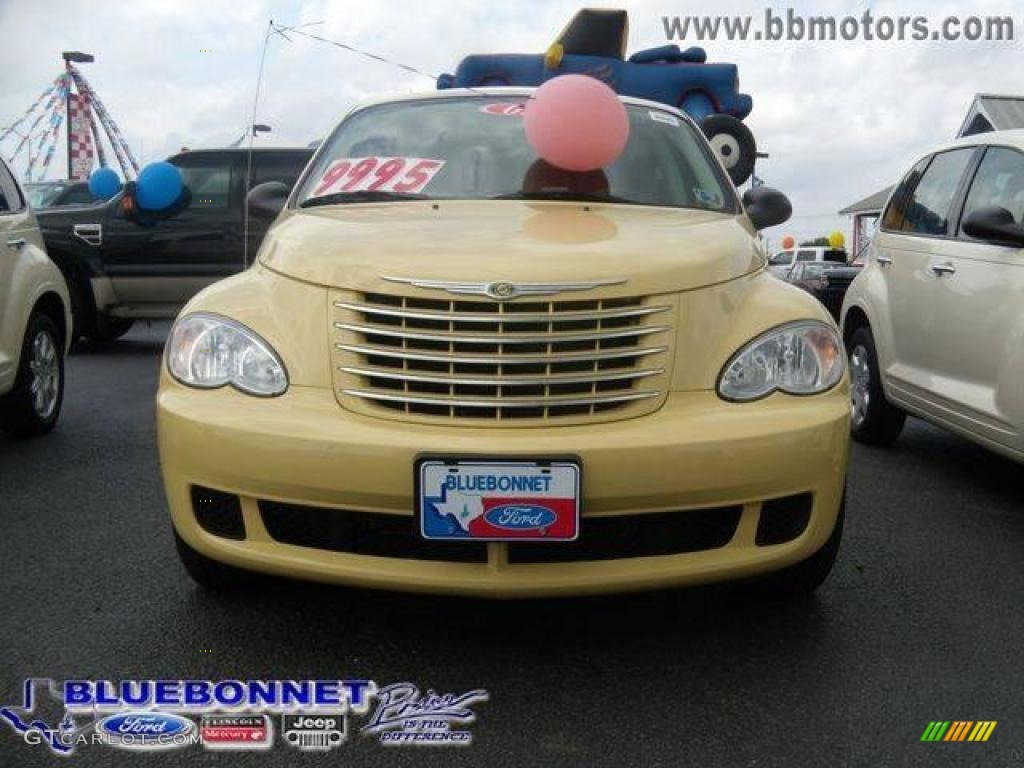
<point>104,183</point>
<point>159,185</point>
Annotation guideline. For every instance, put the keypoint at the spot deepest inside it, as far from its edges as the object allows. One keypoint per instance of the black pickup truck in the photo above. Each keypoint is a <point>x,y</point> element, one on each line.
<point>119,270</point>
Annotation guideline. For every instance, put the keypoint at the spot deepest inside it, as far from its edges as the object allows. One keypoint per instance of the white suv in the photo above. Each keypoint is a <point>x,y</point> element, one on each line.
<point>35,315</point>
<point>934,325</point>
<point>782,262</point>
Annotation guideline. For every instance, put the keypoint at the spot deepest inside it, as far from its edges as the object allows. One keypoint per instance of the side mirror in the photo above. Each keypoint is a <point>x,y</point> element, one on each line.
<point>994,225</point>
<point>766,207</point>
<point>266,200</point>
<point>132,211</point>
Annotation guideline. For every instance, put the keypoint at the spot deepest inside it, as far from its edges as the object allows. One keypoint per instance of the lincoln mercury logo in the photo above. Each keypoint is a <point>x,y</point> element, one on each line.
<point>958,730</point>
<point>503,290</point>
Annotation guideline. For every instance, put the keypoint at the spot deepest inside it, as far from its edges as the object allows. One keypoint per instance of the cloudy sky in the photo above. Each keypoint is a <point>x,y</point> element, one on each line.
<point>840,119</point>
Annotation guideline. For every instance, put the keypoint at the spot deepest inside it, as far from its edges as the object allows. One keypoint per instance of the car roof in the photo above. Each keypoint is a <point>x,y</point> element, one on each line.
<point>1014,138</point>
<point>242,150</point>
<point>504,92</point>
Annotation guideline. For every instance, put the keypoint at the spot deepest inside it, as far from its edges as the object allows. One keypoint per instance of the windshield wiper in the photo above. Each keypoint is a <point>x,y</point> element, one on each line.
<point>583,197</point>
<point>360,196</point>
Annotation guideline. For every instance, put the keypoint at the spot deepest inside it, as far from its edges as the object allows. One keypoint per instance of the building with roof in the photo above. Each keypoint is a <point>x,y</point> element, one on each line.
<point>865,215</point>
<point>992,112</point>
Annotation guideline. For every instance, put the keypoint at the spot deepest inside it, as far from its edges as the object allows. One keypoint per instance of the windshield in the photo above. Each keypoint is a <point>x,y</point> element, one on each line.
<point>475,148</point>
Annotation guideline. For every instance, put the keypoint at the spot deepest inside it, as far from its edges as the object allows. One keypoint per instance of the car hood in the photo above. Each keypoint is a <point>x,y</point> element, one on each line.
<point>655,250</point>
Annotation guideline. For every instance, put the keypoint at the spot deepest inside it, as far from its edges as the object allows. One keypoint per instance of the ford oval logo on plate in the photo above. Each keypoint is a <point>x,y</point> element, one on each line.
<point>146,730</point>
<point>520,517</point>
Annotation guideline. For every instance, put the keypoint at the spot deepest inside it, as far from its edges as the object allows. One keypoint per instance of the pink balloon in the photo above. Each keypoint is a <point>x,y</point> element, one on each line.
<point>576,123</point>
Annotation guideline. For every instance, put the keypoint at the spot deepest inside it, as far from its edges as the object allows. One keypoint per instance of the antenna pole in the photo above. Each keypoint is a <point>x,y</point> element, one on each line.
<point>67,111</point>
<point>252,134</point>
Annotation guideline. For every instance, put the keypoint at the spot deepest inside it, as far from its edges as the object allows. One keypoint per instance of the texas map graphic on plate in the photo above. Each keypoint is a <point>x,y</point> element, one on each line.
<point>499,500</point>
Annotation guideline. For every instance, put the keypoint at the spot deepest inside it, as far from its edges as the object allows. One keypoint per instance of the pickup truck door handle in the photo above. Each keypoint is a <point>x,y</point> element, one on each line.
<point>89,233</point>
<point>16,243</point>
<point>883,260</point>
<point>943,269</point>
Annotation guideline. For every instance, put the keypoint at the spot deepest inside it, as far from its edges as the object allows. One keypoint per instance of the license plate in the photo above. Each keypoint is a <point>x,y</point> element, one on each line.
<point>495,500</point>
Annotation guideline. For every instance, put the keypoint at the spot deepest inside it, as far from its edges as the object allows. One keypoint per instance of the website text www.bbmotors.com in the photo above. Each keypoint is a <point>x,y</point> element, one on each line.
<point>788,25</point>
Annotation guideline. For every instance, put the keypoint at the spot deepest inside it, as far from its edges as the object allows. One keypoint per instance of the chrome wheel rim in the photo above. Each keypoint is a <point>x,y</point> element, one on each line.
<point>860,385</point>
<point>44,367</point>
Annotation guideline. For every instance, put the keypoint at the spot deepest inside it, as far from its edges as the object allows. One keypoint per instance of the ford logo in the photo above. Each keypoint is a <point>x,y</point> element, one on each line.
<point>146,730</point>
<point>520,517</point>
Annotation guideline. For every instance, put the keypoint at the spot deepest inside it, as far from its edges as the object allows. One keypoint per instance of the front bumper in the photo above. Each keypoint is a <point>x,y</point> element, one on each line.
<point>697,454</point>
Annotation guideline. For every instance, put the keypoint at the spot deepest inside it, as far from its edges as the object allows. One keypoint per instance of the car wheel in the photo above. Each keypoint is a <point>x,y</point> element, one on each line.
<point>734,145</point>
<point>32,407</point>
<point>209,574</point>
<point>873,419</point>
<point>110,328</point>
<point>807,575</point>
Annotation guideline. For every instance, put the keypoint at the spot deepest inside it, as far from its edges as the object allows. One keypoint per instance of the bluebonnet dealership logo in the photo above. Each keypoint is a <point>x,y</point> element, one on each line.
<point>149,714</point>
<point>161,714</point>
<point>404,716</point>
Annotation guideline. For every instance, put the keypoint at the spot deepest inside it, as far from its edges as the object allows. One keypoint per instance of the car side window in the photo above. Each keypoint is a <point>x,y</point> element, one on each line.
<point>10,198</point>
<point>998,182</point>
<point>210,186</point>
<point>930,205</point>
<point>805,255</point>
<point>78,195</point>
<point>892,219</point>
<point>284,169</point>
<point>782,259</point>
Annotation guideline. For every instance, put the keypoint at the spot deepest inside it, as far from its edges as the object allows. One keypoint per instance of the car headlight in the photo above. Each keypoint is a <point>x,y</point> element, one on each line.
<point>208,351</point>
<point>801,358</point>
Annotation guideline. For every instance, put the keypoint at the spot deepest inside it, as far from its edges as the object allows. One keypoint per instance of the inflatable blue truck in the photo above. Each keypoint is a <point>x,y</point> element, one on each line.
<point>594,43</point>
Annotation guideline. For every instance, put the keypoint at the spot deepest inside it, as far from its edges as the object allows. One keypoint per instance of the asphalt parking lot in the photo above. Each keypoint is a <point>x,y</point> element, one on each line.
<point>922,619</point>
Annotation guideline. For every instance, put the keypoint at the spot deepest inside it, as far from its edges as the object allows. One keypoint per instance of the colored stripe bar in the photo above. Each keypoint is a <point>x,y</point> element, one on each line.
<point>958,730</point>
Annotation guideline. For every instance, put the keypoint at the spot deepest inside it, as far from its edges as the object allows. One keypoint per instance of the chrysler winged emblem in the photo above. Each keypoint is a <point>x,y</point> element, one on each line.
<point>503,290</point>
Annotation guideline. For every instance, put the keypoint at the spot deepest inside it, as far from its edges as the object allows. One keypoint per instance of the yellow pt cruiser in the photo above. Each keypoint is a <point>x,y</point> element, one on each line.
<point>455,368</point>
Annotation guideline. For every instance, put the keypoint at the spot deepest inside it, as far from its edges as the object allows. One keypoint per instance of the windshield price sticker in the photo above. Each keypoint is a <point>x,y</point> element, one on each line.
<point>504,109</point>
<point>408,175</point>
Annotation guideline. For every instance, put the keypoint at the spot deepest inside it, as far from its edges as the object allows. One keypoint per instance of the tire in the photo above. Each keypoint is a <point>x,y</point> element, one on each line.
<point>806,576</point>
<point>734,145</point>
<point>211,575</point>
<point>873,419</point>
<point>33,406</point>
<point>110,328</point>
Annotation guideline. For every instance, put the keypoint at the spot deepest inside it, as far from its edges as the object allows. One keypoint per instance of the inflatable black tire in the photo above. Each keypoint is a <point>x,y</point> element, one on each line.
<point>734,145</point>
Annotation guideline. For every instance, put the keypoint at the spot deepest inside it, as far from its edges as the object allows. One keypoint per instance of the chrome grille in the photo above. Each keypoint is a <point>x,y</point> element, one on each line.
<point>511,361</point>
